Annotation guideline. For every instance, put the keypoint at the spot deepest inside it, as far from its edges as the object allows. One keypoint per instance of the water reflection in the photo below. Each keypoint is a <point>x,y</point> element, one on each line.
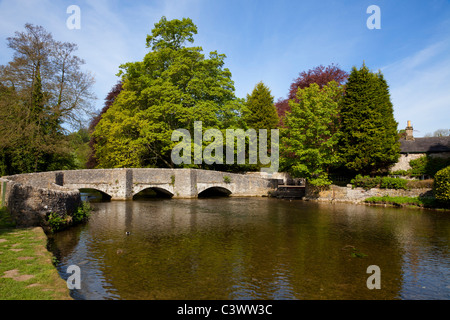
<point>256,248</point>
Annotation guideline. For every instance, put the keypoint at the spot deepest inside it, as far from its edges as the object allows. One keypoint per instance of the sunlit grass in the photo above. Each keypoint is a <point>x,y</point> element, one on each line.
<point>403,201</point>
<point>26,269</point>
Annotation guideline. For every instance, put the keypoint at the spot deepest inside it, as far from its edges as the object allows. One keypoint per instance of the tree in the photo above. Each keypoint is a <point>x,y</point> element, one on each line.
<point>320,75</point>
<point>51,73</point>
<point>79,143</point>
<point>369,138</point>
<point>171,88</point>
<point>439,133</point>
<point>45,87</point>
<point>311,134</point>
<point>109,100</point>
<point>259,111</point>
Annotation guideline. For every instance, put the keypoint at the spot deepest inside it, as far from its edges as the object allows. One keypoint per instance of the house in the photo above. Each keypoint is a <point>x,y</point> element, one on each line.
<point>412,148</point>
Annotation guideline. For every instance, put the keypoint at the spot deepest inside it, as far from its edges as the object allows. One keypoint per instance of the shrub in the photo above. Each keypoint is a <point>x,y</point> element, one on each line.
<point>365,182</point>
<point>418,166</point>
<point>393,183</point>
<point>441,185</point>
<point>57,222</point>
<point>226,179</point>
<point>83,212</point>
<point>418,184</point>
<point>427,165</point>
<point>399,173</point>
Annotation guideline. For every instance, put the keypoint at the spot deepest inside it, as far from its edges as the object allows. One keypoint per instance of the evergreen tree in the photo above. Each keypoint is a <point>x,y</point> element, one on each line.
<point>260,111</point>
<point>369,140</point>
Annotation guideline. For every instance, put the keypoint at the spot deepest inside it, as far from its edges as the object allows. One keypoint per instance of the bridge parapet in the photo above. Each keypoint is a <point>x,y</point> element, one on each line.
<point>32,196</point>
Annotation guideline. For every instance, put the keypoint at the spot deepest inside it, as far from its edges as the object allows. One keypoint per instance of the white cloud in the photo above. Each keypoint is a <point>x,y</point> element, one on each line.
<point>419,88</point>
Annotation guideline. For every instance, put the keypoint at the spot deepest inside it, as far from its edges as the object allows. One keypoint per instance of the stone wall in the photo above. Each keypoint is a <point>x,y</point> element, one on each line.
<point>29,204</point>
<point>405,158</point>
<point>358,195</point>
<point>403,161</point>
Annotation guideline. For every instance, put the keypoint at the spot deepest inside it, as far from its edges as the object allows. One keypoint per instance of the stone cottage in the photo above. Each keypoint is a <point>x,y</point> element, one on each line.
<point>412,148</point>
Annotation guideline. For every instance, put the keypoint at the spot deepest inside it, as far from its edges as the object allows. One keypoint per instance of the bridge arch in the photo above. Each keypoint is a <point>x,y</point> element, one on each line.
<point>153,192</point>
<point>215,191</point>
<point>90,193</point>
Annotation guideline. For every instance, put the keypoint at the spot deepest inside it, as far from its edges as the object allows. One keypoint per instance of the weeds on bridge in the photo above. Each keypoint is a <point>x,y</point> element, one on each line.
<point>56,222</point>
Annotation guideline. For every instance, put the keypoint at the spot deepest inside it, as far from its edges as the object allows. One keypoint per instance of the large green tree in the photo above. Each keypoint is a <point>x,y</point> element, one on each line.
<point>41,89</point>
<point>369,139</point>
<point>311,133</point>
<point>171,88</point>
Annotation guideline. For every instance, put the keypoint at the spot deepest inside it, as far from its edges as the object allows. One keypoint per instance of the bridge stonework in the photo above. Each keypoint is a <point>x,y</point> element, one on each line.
<point>31,197</point>
<point>123,184</point>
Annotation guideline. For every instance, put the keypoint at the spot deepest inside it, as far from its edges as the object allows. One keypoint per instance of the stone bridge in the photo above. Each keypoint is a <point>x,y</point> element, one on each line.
<point>32,197</point>
<point>123,184</point>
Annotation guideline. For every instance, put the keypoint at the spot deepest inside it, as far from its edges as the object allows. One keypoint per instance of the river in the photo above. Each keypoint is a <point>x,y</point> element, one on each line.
<point>256,248</point>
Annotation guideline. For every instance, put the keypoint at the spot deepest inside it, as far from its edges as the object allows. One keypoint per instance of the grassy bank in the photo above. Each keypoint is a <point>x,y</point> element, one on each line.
<point>422,202</point>
<point>26,269</point>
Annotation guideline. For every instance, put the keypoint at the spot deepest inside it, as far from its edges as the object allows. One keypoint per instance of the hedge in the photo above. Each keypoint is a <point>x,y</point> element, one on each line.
<point>442,185</point>
<point>367,182</point>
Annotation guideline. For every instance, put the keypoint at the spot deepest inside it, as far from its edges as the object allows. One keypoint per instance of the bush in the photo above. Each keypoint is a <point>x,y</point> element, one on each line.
<point>393,183</point>
<point>365,182</point>
<point>57,222</point>
<point>442,185</point>
<point>427,165</point>
<point>83,212</point>
<point>418,184</point>
<point>399,173</point>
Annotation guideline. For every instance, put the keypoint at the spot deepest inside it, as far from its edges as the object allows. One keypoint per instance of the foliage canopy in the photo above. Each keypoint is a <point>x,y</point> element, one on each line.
<point>312,132</point>
<point>171,88</point>
<point>42,88</point>
<point>369,140</point>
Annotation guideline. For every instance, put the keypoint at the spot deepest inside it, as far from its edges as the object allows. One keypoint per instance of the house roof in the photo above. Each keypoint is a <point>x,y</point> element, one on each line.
<point>422,145</point>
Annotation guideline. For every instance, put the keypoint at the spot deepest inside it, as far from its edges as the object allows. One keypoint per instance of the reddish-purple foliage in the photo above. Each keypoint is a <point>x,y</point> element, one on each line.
<point>320,75</point>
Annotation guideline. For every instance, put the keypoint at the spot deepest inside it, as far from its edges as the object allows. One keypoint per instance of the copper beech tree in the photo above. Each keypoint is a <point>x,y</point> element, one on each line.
<point>320,75</point>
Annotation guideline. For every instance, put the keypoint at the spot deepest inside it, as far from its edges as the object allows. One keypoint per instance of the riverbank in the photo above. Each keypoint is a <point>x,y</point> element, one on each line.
<point>413,198</point>
<point>26,269</point>
<point>410,202</point>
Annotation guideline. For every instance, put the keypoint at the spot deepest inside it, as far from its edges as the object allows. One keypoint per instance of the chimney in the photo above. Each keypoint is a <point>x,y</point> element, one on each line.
<point>409,131</point>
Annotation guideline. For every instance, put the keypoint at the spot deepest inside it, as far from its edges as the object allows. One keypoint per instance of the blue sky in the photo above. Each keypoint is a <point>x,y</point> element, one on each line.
<point>269,41</point>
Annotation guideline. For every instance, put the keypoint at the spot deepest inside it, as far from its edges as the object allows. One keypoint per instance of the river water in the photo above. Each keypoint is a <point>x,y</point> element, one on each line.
<point>256,248</point>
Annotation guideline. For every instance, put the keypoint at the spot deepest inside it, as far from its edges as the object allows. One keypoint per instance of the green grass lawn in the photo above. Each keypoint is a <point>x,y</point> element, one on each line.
<point>26,269</point>
<point>404,201</point>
